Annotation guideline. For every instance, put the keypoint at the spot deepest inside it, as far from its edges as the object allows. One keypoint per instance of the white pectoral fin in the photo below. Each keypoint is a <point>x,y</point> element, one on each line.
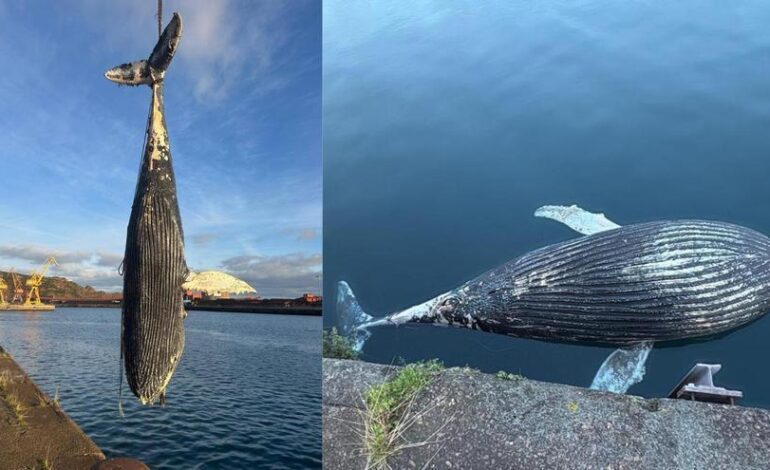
<point>577,219</point>
<point>622,369</point>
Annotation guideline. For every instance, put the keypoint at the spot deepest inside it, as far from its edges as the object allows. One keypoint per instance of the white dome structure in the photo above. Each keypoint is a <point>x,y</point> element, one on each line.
<point>217,283</point>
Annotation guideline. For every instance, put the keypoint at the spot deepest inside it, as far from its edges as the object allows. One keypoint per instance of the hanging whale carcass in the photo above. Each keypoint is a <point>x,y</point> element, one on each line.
<point>154,267</point>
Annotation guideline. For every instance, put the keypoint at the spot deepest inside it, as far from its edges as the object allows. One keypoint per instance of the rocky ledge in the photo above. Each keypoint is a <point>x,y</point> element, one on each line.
<point>470,420</point>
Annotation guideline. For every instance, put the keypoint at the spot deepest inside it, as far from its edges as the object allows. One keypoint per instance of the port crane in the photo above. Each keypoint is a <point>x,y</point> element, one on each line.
<point>18,288</point>
<point>34,281</point>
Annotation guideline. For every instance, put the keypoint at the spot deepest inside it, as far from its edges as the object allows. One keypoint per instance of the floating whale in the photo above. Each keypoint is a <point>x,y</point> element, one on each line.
<point>629,286</point>
<point>154,267</point>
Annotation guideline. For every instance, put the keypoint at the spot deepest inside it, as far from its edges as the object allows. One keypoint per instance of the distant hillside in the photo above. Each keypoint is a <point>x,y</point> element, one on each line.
<point>59,288</point>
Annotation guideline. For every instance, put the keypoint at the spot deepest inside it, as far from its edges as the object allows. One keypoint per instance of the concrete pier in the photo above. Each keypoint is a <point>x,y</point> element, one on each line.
<point>34,431</point>
<point>470,420</point>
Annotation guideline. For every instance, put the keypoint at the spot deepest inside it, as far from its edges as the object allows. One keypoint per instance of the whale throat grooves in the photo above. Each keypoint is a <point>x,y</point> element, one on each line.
<point>154,270</point>
<point>657,281</point>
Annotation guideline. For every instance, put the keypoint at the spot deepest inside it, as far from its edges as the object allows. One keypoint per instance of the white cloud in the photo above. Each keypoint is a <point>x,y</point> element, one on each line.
<point>288,275</point>
<point>110,260</point>
<point>98,270</point>
<point>98,277</point>
<point>38,254</point>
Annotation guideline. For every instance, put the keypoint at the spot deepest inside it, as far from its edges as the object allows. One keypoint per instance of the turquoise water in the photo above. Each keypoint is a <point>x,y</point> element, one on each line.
<point>246,395</point>
<point>446,125</point>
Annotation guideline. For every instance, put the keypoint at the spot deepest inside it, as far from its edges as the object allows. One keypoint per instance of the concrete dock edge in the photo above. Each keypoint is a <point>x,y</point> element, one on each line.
<point>34,431</point>
<point>472,420</point>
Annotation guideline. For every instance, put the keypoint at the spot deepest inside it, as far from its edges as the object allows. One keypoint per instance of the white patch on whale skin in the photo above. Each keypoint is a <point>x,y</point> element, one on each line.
<point>420,312</point>
<point>683,261</point>
<point>536,279</point>
<point>423,311</point>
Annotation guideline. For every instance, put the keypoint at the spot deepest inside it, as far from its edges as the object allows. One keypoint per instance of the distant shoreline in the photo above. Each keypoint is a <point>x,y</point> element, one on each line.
<point>87,304</point>
<point>231,306</point>
<point>305,311</point>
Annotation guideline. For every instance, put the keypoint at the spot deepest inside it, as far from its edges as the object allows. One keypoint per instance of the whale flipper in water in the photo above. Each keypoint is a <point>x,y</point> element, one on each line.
<point>625,366</point>
<point>622,369</point>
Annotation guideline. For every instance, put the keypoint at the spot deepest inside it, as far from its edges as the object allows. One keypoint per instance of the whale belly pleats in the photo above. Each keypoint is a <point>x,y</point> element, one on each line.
<point>154,267</point>
<point>154,270</point>
<point>657,281</point>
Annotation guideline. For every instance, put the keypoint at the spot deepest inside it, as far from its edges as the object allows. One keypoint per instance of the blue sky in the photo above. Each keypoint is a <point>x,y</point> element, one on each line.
<point>243,108</point>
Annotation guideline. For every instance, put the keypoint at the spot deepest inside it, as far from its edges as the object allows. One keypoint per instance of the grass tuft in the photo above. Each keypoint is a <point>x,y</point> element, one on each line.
<point>503,375</point>
<point>12,399</point>
<point>336,346</point>
<point>45,464</point>
<point>5,380</point>
<point>44,400</point>
<point>389,411</point>
<point>19,409</point>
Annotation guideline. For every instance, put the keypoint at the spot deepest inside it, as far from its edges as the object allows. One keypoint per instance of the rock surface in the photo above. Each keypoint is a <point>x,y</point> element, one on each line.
<point>472,420</point>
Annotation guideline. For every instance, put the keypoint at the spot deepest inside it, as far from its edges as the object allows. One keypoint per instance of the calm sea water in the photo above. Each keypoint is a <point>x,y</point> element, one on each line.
<point>447,124</point>
<point>246,394</point>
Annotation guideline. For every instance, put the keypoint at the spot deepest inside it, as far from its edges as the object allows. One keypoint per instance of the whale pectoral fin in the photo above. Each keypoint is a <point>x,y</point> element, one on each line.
<point>577,219</point>
<point>622,369</point>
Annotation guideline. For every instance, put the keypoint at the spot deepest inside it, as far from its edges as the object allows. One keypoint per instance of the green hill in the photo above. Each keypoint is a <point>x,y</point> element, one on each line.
<point>59,288</point>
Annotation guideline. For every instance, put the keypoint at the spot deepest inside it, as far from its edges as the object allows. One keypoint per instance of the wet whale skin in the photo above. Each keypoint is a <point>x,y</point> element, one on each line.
<point>657,281</point>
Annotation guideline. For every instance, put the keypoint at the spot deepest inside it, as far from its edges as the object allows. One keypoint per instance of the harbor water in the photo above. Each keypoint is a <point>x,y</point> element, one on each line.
<point>447,125</point>
<point>246,394</point>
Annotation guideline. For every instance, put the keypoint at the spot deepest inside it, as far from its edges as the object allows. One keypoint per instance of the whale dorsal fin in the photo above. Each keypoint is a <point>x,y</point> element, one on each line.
<point>577,219</point>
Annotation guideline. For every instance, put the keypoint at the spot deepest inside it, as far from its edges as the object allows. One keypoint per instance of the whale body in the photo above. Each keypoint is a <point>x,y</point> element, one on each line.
<point>630,286</point>
<point>656,281</point>
<point>154,266</point>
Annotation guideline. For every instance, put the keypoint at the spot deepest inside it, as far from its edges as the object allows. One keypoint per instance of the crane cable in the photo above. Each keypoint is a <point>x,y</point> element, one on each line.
<point>160,16</point>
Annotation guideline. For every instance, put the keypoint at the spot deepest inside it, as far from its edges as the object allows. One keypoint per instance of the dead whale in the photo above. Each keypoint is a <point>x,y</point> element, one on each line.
<point>154,267</point>
<point>628,286</point>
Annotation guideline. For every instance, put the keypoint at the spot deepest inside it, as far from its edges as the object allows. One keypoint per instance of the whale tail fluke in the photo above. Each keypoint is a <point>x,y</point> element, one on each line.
<point>351,316</point>
<point>167,43</point>
<point>131,74</point>
<point>145,72</point>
